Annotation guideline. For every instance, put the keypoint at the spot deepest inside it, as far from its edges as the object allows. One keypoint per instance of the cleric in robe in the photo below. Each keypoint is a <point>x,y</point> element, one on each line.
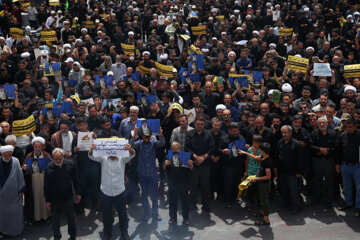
<point>12,187</point>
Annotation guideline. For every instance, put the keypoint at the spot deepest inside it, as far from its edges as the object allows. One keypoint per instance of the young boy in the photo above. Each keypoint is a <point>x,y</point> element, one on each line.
<point>263,177</point>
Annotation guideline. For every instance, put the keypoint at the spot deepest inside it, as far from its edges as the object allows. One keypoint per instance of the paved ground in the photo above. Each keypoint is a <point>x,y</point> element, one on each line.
<point>222,224</point>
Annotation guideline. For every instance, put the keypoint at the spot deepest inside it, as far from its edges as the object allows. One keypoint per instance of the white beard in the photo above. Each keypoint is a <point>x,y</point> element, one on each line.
<point>59,164</point>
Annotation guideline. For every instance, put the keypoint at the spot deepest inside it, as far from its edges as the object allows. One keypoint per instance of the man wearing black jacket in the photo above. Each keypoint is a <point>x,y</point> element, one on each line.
<point>200,143</point>
<point>233,163</point>
<point>288,167</point>
<point>324,146</point>
<point>60,176</point>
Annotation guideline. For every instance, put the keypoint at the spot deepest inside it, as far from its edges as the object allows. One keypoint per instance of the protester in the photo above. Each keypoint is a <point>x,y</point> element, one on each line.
<point>60,178</point>
<point>112,190</point>
<point>11,193</point>
<point>261,64</point>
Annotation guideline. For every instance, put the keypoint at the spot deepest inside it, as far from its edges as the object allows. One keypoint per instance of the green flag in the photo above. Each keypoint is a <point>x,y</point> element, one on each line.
<point>67,5</point>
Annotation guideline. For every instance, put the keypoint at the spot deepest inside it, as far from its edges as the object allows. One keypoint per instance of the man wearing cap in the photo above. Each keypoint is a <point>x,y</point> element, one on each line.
<point>146,168</point>
<point>12,187</point>
<point>50,20</point>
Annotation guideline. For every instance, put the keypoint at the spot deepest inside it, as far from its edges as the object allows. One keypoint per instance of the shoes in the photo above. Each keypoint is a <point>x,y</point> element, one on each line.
<point>327,206</point>
<point>344,207</point>
<point>172,220</point>
<point>186,222</point>
<point>206,209</point>
<point>157,218</point>
<point>125,236</point>
<point>294,211</point>
<point>106,237</point>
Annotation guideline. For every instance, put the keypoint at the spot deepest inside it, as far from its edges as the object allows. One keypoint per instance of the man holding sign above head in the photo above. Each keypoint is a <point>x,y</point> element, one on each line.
<point>113,190</point>
<point>146,168</point>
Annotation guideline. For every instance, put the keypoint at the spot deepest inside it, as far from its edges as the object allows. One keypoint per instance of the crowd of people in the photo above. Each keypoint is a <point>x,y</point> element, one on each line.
<point>97,67</point>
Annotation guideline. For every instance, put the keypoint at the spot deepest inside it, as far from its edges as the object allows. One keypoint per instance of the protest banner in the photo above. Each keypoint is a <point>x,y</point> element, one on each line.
<point>51,68</point>
<point>191,114</point>
<point>108,80</point>
<point>134,77</point>
<point>352,70</point>
<point>257,76</point>
<point>164,70</point>
<point>150,99</point>
<point>193,49</point>
<point>128,48</point>
<point>235,146</point>
<point>143,69</point>
<point>42,162</point>
<point>116,102</point>
<point>9,90</point>
<point>199,30</point>
<point>16,32</point>
<point>89,24</point>
<point>276,96</point>
<point>197,59</point>
<point>110,147</point>
<point>241,79</point>
<point>56,109</point>
<point>105,16</point>
<point>322,69</point>
<point>153,124</point>
<point>54,2</point>
<point>25,6</point>
<point>25,126</point>
<point>181,160</point>
<point>285,32</point>
<point>297,63</point>
<point>48,36</point>
<point>84,140</point>
<point>185,37</point>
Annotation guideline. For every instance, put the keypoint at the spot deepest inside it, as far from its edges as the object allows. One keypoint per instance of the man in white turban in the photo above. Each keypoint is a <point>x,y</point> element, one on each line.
<point>12,187</point>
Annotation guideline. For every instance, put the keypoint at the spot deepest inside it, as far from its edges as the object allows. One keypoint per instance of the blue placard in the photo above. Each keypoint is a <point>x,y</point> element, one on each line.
<point>195,77</point>
<point>149,98</point>
<point>107,79</point>
<point>72,83</point>
<point>257,76</point>
<point>183,156</point>
<point>153,124</point>
<point>135,76</point>
<point>9,89</point>
<point>58,110</point>
<point>239,144</point>
<point>200,61</point>
<point>243,80</point>
<point>42,162</point>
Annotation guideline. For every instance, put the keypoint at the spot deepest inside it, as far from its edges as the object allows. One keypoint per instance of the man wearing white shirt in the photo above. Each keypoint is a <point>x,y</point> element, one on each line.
<point>118,68</point>
<point>50,20</point>
<point>113,190</point>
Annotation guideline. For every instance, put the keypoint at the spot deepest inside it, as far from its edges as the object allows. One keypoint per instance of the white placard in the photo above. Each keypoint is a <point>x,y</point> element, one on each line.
<point>84,140</point>
<point>191,114</point>
<point>110,147</point>
<point>322,69</point>
<point>89,101</point>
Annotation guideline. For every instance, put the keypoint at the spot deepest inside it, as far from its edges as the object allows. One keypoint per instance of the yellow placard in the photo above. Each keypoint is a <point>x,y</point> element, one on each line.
<point>199,30</point>
<point>193,49</point>
<point>48,36</point>
<point>16,32</point>
<point>185,37</point>
<point>127,48</point>
<point>244,185</point>
<point>164,69</point>
<point>285,31</point>
<point>144,69</point>
<point>352,70</point>
<point>54,2</point>
<point>104,16</point>
<point>89,24</point>
<point>25,6</point>
<point>25,126</point>
<point>297,63</point>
